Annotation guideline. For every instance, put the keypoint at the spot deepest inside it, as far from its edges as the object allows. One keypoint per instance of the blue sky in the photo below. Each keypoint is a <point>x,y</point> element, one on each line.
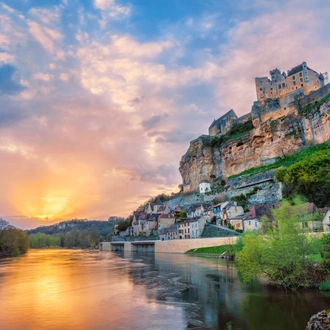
<point>99,99</point>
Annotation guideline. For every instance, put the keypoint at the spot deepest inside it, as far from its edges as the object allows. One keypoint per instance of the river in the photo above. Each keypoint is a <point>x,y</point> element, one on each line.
<point>83,289</point>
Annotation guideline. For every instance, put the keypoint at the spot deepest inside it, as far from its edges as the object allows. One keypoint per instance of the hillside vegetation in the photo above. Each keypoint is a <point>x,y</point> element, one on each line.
<point>73,233</point>
<point>285,161</point>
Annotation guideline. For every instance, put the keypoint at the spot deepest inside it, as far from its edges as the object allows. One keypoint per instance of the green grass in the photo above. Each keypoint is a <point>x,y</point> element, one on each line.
<point>214,250</point>
<point>286,161</point>
<point>316,257</point>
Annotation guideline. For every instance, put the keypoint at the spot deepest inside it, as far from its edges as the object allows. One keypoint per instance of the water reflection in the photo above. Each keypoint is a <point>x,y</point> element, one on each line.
<point>59,289</point>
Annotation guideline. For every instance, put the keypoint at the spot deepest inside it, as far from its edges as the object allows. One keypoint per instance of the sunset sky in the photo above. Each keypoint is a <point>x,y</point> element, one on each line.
<point>99,99</point>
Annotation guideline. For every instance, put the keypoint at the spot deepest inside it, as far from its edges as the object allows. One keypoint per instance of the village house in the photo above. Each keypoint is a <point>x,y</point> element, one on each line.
<point>189,229</point>
<point>229,211</point>
<point>165,221</point>
<point>195,211</point>
<point>311,221</point>
<point>237,222</point>
<point>204,187</point>
<point>253,220</point>
<point>144,223</point>
<point>326,219</point>
<point>156,208</point>
<point>169,233</point>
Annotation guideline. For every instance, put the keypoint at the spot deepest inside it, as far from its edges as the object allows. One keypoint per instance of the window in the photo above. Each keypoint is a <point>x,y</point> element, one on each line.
<point>249,222</point>
<point>301,79</point>
<point>300,74</point>
<point>293,77</point>
<point>256,223</point>
<point>302,85</point>
<point>260,88</point>
<point>283,85</point>
<point>279,86</point>
<point>294,83</point>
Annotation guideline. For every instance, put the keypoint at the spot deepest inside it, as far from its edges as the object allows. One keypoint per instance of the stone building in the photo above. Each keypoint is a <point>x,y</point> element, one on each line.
<point>300,78</point>
<point>222,124</point>
<point>204,186</point>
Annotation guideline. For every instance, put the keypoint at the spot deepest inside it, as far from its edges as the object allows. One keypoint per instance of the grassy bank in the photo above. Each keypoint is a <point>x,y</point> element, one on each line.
<point>215,250</point>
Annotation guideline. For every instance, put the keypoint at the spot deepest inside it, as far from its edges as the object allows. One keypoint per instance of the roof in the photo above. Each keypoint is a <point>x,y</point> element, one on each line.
<point>158,201</point>
<point>297,69</point>
<point>166,216</point>
<point>162,208</point>
<point>229,205</point>
<point>258,210</point>
<point>230,113</point>
<point>311,208</point>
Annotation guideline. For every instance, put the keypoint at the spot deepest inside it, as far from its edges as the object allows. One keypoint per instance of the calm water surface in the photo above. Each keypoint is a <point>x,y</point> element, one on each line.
<point>75,289</point>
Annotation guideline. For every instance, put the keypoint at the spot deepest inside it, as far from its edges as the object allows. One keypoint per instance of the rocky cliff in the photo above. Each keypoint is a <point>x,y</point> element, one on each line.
<point>277,132</point>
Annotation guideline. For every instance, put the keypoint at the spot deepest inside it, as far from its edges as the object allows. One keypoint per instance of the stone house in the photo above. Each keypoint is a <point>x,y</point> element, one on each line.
<point>204,187</point>
<point>253,220</point>
<point>144,223</point>
<point>129,231</point>
<point>237,222</point>
<point>165,221</point>
<point>189,229</point>
<point>311,220</point>
<point>217,209</point>
<point>326,219</point>
<point>223,124</point>
<point>157,207</point>
<point>169,233</point>
<point>229,211</point>
<point>195,211</point>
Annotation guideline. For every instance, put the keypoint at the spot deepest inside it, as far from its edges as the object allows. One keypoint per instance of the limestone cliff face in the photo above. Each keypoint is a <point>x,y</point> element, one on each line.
<point>276,133</point>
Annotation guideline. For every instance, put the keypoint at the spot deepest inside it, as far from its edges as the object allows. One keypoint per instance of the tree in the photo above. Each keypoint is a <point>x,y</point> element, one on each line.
<point>309,177</point>
<point>282,254</point>
<point>13,242</point>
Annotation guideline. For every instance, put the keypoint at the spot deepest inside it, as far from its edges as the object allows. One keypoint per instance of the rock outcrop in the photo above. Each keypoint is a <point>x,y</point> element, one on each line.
<point>319,321</point>
<point>277,132</point>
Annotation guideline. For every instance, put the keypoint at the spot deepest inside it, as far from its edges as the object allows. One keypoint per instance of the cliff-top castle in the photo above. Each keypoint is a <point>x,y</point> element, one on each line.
<point>280,91</point>
<point>278,123</point>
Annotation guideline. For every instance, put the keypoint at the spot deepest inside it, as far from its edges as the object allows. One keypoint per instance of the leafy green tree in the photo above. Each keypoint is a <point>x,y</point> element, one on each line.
<point>13,242</point>
<point>282,253</point>
<point>309,177</point>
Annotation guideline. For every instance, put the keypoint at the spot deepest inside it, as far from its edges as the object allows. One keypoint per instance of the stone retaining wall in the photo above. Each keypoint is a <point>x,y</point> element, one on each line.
<point>184,245</point>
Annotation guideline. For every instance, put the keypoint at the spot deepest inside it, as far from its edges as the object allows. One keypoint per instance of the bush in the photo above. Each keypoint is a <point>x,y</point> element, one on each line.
<point>324,286</point>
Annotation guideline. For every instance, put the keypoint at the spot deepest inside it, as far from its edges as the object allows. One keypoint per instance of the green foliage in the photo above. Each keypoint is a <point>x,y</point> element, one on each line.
<point>286,161</point>
<point>122,225</point>
<point>325,250</point>
<point>71,239</point>
<point>307,109</point>
<point>324,286</point>
<point>325,239</point>
<point>183,214</point>
<point>282,254</point>
<point>309,177</point>
<point>13,242</point>
<point>237,130</point>
<point>242,201</point>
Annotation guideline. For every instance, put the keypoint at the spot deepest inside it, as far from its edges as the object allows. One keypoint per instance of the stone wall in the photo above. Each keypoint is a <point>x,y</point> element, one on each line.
<point>184,245</point>
<point>173,246</point>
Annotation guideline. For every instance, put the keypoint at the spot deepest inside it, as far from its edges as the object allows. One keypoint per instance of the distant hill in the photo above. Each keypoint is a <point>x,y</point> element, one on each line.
<point>104,227</point>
